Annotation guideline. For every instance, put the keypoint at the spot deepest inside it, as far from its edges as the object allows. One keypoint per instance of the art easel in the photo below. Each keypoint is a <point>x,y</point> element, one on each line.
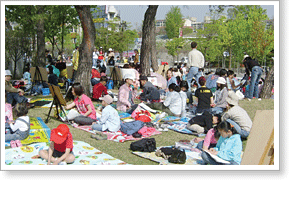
<point>38,75</point>
<point>58,101</point>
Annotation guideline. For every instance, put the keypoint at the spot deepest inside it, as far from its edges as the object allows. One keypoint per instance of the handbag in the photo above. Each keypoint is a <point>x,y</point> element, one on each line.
<point>144,145</point>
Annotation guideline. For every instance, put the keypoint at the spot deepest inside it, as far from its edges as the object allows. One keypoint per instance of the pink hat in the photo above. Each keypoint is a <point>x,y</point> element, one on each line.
<point>107,98</point>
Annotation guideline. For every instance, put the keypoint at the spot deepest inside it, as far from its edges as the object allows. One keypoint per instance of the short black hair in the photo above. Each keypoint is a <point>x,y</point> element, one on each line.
<point>226,126</point>
<point>184,84</point>
<point>103,78</point>
<point>172,86</point>
<point>78,89</point>
<point>194,44</point>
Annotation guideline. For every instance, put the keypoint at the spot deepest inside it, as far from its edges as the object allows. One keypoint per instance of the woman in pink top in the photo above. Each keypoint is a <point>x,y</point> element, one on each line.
<point>210,140</point>
<point>84,106</point>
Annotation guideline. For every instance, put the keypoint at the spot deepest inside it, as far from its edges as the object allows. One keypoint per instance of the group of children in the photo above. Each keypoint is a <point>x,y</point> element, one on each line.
<point>216,111</point>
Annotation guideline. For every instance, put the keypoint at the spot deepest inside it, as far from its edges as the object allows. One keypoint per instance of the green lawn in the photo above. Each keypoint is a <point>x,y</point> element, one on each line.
<point>121,150</point>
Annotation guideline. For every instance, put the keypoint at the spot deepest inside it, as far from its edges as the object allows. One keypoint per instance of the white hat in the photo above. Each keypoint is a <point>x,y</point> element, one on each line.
<point>245,56</point>
<point>8,73</point>
<point>110,49</point>
<point>128,76</point>
<point>232,98</point>
<point>221,80</point>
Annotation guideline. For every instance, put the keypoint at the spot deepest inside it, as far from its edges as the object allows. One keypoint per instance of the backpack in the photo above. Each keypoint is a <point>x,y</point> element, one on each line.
<point>178,156</point>
<point>144,145</point>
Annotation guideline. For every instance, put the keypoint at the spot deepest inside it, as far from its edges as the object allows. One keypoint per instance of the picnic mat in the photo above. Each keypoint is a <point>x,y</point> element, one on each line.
<point>118,136</point>
<point>84,153</point>
<point>42,103</point>
<point>39,132</point>
<point>192,158</point>
<point>180,126</point>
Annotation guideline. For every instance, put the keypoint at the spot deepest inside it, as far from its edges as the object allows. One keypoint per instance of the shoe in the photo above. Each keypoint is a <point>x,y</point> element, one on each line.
<point>248,99</point>
<point>18,143</point>
<point>62,163</point>
<point>259,99</point>
<point>13,144</point>
<point>98,137</point>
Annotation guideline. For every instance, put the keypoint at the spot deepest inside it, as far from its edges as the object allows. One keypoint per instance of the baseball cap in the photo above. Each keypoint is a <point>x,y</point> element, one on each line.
<point>107,98</point>
<point>59,134</point>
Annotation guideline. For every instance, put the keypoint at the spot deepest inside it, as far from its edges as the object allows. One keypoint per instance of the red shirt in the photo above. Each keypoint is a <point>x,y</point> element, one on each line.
<point>98,90</point>
<point>67,144</point>
<point>95,73</point>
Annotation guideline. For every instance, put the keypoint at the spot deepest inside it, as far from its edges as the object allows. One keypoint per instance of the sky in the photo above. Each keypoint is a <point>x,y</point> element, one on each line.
<point>135,13</point>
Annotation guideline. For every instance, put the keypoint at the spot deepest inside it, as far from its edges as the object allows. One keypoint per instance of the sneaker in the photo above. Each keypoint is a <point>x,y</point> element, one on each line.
<point>259,99</point>
<point>62,163</point>
<point>248,99</point>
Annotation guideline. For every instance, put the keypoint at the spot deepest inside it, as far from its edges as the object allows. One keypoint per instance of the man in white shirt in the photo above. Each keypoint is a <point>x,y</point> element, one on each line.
<point>195,63</point>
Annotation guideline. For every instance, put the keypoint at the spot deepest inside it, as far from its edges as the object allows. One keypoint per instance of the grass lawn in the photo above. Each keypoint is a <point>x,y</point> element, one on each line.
<point>121,150</point>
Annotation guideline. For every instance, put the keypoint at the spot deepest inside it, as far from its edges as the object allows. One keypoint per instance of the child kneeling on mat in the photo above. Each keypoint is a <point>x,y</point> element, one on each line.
<point>61,146</point>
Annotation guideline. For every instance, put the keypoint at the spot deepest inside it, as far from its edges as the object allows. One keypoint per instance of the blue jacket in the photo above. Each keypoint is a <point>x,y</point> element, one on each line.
<point>230,149</point>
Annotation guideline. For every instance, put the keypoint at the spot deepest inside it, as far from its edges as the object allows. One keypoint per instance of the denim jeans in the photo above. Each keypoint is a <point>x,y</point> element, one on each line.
<point>97,127</point>
<point>216,110</point>
<point>255,77</point>
<point>193,72</point>
<point>17,135</point>
<point>14,98</point>
<point>95,62</point>
<point>244,134</point>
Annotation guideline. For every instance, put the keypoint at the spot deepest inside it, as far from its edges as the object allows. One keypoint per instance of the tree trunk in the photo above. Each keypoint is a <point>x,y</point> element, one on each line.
<point>41,57</point>
<point>148,48</point>
<point>266,91</point>
<point>86,48</point>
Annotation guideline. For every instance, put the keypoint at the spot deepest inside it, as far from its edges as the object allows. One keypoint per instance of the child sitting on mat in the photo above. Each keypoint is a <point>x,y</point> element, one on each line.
<point>84,105</point>
<point>19,129</point>
<point>110,119</point>
<point>61,146</point>
<point>210,140</point>
<point>229,146</point>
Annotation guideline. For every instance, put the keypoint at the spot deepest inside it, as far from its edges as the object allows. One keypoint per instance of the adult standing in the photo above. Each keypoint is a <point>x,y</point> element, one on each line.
<point>252,66</point>
<point>95,57</point>
<point>75,61</point>
<point>110,61</point>
<point>195,63</point>
<point>136,57</point>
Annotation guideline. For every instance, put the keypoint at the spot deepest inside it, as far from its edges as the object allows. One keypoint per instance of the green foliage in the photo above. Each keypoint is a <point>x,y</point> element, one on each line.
<point>120,40</point>
<point>174,21</point>
<point>173,46</point>
<point>245,31</point>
